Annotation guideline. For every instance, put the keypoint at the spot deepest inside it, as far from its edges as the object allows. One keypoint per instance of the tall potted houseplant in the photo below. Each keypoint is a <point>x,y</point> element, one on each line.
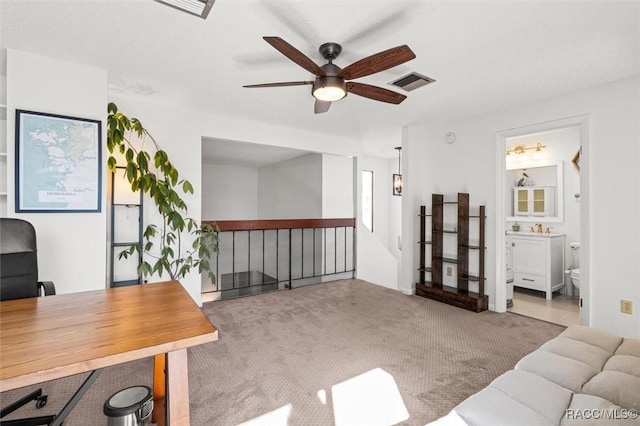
<point>176,244</point>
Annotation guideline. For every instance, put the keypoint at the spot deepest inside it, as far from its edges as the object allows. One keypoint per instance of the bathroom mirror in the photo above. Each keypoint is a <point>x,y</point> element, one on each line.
<point>534,192</point>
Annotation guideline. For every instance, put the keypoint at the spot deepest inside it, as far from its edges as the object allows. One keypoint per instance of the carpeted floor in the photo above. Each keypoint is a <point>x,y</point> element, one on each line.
<point>344,353</point>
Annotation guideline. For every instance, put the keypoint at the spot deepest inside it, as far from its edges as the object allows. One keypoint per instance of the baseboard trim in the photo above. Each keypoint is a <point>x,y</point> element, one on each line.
<point>407,292</point>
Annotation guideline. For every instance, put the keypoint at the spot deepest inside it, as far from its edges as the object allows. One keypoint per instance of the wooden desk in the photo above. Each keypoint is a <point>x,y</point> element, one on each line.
<point>47,338</point>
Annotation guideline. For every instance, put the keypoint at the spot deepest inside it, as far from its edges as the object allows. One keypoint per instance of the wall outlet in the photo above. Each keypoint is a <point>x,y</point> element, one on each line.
<point>626,306</point>
<point>449,271</point>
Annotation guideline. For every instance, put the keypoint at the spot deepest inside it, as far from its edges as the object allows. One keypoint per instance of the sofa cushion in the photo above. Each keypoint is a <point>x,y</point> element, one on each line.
<point>629,347</point>
<point>627,364</point>
<point>566,372</point>
<point>620,388</point>
<point>599,338</point>
<point>574,357</point>
<point>586,353</point>
<point>589,410</point>
<point>516,397</point>
<point>619,381</point>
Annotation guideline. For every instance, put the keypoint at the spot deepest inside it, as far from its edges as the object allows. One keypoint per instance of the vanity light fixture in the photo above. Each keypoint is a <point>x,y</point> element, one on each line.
<point>397,177</point>
<point>521,149</point>
<point>199,8</point>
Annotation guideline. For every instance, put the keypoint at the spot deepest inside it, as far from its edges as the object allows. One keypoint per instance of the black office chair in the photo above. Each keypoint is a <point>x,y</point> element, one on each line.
<point>19,280</point>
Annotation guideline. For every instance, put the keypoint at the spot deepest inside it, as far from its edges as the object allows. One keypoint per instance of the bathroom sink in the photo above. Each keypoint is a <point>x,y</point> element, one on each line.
<point>533,234</point>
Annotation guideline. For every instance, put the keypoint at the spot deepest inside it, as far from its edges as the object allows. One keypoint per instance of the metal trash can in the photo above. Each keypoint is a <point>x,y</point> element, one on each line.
<point>510,277</point>
<point>129,407</point>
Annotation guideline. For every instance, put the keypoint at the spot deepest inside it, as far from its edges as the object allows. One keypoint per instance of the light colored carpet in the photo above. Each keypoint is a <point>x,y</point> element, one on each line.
<point>343,353</point>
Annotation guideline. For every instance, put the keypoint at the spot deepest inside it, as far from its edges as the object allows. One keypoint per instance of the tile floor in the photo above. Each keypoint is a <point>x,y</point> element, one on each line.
<point>564,310</point>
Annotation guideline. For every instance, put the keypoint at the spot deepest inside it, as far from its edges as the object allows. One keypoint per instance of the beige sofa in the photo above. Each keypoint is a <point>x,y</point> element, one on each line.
<point>582,377</point>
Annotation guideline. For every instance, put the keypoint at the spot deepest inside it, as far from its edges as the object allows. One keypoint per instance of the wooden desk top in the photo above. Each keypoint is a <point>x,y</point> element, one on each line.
<point>45,338</point>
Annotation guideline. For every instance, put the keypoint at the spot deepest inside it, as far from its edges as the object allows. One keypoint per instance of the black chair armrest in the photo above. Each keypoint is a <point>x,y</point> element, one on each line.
<point>49,288</point>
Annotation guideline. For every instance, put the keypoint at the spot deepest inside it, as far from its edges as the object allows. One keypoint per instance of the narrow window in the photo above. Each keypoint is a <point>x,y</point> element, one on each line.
<point>367,199</point>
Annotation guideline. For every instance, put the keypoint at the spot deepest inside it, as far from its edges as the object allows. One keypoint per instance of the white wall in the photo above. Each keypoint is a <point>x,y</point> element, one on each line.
<point>338,194</point>
<point>394,208</point>
<point>337,186</point>
<point>387,208</point>
<point>229,192</point>
<point>610,185</point>
<point>376,264</point>
<point>378,254</point>
<point>382,195</point>
<point>374,261</point>
<point>291,189</point>
<point>414,179</point>
<point>71,246</point>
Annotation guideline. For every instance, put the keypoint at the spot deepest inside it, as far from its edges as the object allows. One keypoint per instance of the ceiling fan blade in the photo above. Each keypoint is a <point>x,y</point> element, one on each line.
<point>283,84</point>
<point>321,106</point>
<point>295,55</point>
<point>374,92</point>
<point>378,62</point>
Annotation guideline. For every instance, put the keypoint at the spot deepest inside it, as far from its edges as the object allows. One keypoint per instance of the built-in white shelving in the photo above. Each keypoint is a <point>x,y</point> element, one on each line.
<point>3,159</point>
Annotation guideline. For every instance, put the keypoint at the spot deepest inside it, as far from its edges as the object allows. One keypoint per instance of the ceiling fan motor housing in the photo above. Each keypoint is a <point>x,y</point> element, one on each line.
<point>330,51</point>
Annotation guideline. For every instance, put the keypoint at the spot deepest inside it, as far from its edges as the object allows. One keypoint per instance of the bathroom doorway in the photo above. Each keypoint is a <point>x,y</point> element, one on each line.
<point>541,226</point>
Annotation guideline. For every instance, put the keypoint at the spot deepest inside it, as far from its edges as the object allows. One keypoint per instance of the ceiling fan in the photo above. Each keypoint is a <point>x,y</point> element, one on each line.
<point>331,82</point>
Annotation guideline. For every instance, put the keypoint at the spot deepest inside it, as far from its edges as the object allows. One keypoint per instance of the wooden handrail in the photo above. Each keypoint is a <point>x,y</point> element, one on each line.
<point>256,225</point>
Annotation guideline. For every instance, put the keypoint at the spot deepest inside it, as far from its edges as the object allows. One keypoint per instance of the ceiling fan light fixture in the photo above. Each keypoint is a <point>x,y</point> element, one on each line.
<point>329,89</point>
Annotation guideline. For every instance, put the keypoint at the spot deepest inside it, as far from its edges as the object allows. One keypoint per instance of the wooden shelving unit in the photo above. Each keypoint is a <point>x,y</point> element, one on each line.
<point>434,289</point>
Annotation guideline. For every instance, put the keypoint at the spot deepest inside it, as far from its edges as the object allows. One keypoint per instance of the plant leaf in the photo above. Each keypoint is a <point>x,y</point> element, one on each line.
<point>173,174</point>
<point>187,187</point>
<point>111,164</point>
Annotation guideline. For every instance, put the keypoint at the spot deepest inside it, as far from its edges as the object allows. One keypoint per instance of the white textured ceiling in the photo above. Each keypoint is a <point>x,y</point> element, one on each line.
<point>484,55</point>
<point>234,153</point>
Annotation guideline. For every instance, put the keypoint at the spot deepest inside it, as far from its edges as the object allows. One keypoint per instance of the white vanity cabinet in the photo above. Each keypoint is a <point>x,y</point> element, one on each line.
<point>538,261</point>
<point>534,201</point>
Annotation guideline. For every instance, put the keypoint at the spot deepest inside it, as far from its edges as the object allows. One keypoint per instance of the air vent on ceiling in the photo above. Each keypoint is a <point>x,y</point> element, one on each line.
<point>412,81</point>
<point>199,8</point>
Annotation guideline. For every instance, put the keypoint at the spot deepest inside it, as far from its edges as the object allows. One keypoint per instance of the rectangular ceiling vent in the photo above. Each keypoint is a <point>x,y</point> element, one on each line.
<point>412,81</point>
<point>199,8</point>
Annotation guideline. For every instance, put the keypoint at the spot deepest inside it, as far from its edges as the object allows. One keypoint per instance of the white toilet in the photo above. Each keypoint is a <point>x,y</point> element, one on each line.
<point>575,271</point>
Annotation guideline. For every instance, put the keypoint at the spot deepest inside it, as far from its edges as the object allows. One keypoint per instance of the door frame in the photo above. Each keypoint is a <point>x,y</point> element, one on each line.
<point>582,121</point>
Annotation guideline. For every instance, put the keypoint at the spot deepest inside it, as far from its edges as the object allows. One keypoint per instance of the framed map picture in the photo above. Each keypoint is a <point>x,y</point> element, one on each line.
<point>58,163</point>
